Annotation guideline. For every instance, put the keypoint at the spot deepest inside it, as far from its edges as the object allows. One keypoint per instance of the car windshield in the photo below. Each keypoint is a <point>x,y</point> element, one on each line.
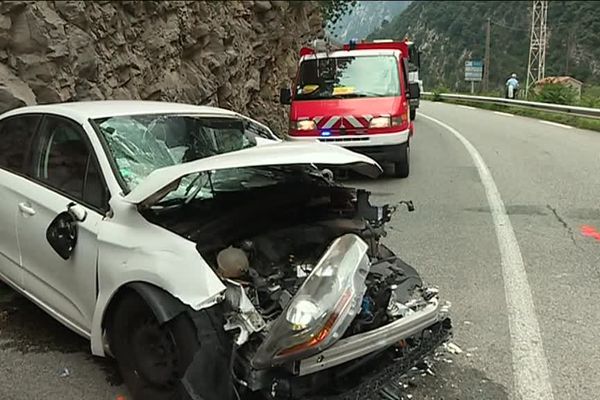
<point>339,77</point>
<point>140,144</point>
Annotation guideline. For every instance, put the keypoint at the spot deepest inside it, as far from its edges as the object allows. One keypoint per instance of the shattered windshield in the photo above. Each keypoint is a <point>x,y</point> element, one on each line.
<point>140,144</point>
<point>347,77</point>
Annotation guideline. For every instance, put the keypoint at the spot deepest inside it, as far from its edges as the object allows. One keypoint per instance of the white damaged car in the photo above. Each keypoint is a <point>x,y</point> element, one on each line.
<point>210,259</point>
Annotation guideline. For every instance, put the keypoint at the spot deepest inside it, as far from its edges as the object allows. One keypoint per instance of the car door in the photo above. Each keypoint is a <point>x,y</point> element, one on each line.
<point>58,221</point>
<point>16,134</point>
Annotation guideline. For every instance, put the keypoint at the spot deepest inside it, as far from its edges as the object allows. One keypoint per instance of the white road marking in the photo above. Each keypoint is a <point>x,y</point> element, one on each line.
<point>555,124</point>
<point>503,113</point>
<point>530,367</point>
<point>467,107</point>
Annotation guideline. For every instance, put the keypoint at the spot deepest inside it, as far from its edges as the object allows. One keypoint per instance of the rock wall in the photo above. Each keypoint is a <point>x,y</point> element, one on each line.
<point>231,54</point>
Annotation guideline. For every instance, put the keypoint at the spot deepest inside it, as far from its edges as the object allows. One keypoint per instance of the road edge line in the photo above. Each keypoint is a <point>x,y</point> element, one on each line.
<point>555,124</point>
<point>530,367</point>
<point>503,114</point>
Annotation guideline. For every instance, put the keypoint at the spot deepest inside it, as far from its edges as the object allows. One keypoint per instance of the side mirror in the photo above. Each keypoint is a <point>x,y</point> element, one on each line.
<point>62,231</point>
<point>62,234</point>
<point>78,212</point>
<point>285,96</point>
<point>414,91</point>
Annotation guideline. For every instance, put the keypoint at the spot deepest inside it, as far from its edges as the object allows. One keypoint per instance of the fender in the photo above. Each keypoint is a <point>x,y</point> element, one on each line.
<point>164,306</point>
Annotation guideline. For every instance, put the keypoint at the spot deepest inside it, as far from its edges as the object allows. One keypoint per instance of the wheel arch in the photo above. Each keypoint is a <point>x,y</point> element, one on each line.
<point>163,305</point>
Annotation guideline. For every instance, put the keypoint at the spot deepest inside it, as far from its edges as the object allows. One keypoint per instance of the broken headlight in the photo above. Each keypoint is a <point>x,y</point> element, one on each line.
<point>323,307</point>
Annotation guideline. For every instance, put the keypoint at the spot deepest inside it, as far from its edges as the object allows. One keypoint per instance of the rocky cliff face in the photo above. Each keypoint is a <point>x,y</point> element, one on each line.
<point>230,54</point>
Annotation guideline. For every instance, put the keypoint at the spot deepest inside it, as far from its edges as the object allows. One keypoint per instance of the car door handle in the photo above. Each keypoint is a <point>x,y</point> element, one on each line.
<point>26,209</point>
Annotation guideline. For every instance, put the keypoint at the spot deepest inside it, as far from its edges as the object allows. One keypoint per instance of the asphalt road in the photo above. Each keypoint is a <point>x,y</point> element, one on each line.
<point>548,178</point>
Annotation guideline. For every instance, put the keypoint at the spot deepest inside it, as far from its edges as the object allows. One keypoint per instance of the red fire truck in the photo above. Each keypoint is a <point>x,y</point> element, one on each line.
<point>357,96</point>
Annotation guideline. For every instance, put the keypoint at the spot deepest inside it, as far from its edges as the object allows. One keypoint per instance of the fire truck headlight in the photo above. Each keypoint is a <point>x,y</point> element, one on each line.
<point>380,122</point>
<point>397,121</point>
<point>306,125</point>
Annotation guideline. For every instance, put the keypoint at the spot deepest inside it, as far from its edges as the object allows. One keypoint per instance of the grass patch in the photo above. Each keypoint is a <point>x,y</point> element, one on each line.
<point>579,122</point>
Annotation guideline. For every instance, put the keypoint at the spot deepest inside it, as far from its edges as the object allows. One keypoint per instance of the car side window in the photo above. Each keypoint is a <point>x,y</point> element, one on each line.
<point>15,137</point>
<point>63,160</point>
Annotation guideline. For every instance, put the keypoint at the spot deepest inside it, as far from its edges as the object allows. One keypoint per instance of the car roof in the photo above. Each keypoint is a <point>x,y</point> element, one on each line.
<point>83,110</point>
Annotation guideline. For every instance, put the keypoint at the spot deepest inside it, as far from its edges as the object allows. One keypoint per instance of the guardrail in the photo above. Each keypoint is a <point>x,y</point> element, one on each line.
<point>554,108</point>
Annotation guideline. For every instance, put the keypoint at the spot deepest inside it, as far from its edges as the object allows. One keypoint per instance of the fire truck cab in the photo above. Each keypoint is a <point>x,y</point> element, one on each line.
<point>357,96</point>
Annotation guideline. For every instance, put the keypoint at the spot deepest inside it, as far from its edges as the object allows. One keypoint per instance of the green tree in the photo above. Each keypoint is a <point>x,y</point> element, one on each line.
<point>333,10</point>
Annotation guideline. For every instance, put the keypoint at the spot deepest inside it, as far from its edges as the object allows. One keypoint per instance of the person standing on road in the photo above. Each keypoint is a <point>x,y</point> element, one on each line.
<point>512,85</point>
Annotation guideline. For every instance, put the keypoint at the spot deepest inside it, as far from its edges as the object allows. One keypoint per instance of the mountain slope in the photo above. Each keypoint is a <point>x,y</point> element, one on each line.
<point>454,31</point>
<point>366,16</point>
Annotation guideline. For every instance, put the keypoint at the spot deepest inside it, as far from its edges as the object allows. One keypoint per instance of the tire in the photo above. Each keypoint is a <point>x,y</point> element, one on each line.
<point>413,114</point>
<point>152,358</point>
<point>402,166</point>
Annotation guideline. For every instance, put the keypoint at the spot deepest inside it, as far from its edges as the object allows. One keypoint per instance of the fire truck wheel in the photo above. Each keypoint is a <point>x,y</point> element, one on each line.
<point>402,166</point>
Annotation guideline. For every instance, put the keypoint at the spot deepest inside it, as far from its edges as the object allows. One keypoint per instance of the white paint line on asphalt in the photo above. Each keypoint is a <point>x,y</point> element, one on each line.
<point>530,367</point>
<point>467,107</point>
<point>503,113</point>
<point>555,124</point>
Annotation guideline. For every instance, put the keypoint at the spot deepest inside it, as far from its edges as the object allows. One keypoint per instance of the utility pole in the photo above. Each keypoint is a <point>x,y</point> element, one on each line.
<point>536,67</point>
<point>486,63</point>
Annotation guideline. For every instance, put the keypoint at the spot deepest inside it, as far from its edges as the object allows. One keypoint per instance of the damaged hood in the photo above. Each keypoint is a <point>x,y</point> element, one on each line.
<point>285,153</point>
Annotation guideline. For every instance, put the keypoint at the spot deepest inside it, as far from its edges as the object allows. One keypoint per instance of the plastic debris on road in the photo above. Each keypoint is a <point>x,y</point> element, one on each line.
<point>453,348</point>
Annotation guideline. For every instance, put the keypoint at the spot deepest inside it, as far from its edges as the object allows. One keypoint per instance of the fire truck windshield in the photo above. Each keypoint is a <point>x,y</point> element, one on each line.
<point>348,77</point>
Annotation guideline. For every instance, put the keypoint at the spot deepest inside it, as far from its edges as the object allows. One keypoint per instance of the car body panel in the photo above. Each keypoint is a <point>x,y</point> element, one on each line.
<point>67,286</point>
<point>132,249</point>
<point>286,153</point>
<point>10,253</point>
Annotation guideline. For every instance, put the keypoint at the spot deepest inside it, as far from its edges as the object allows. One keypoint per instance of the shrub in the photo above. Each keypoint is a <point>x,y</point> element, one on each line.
<point>556,94</point>
<point>590,97</point>
<point>437,91</point>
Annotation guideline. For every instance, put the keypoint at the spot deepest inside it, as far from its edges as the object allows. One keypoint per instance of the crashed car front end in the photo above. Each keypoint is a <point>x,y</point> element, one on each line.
<point>314,306</point>
<point>360,318</point>
<point>311,303</point>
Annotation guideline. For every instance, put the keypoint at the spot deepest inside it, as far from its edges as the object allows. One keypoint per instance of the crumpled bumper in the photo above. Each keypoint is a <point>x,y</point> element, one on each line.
<point>380,380</point>
<point>357,346</point>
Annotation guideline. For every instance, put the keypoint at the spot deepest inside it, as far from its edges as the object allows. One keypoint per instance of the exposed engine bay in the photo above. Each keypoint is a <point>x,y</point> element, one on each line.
<point>306,273</point>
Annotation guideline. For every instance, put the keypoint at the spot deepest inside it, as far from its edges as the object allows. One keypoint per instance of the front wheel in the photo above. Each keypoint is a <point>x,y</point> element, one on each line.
<point>413,114</point>
<point>402,166</point>
<point>152,357</point>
